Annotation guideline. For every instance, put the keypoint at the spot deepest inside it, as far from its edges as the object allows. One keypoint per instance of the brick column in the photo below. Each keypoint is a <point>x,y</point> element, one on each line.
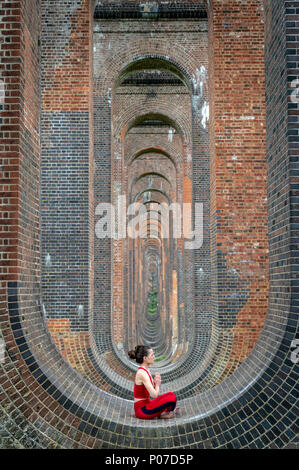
<point>66,164</point>
<point>238,172</point>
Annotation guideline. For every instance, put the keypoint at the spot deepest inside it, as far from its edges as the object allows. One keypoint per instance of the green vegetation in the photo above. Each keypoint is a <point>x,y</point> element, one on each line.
<point>160,358</point>
<point>152,302</point>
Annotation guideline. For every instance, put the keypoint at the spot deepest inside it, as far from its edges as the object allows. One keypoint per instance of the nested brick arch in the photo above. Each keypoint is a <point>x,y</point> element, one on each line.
<point>159,175</point>
<point>156,62</point>
<point>132,157</point>
<point>131,71</point>
<point>168,150</point>
<point>118,152</point>
<point>181,184</point>
<point>164,171</point>
<point>42,396</point>
<point>171,152</point>
<point>126,116</point>
<point>120,126</point>
<point>168,113</point>
<point>158,115</point>
<point>111,71</point>
<point>141,181</point>
<point>146,190</point>
<point>148,62</point>
<point>152,190</point>
<point>152,166</point>
<point>153,322</point>
<point>136,194</point>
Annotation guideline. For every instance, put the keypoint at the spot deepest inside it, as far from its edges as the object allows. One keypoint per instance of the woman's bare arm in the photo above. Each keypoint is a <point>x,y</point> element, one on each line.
<point>153,390</point>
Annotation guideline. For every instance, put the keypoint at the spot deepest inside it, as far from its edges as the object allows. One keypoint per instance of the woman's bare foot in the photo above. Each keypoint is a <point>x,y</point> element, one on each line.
<point>167,415</point>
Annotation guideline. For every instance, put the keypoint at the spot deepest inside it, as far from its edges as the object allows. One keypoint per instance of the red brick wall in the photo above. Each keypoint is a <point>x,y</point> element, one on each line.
<point>34,411</point>
<point>238,157</point>
<point>67,82</point>
<point>66,85</point>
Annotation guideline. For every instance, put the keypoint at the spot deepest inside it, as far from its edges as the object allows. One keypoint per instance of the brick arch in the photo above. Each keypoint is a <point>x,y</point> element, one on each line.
<point>148,174</point>
<point>158,182</point>
<point>152,115</point>
<point>157,62</point>
<point>168,183</point>
<point>160,191</point>
<point>178,59</point>
<point>170,153</point>
<point>162,336</point>
<point>244,290</point>
<point>222,261</point>
<point>127,117</point>
<point>185,149</point>
<point>46,400</point>
<point>167,113</point>
<point>139,152</point>
<point>117,312</point>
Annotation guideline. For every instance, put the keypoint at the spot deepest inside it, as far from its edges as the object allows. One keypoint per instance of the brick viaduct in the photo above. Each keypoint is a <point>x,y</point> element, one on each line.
<point>149,103</point>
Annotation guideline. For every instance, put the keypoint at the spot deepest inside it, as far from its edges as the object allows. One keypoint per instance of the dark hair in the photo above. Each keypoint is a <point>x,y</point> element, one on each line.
<point>139,353</point>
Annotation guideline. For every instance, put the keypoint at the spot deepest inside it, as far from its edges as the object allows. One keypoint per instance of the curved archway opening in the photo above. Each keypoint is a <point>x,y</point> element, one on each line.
<point>151,64</point>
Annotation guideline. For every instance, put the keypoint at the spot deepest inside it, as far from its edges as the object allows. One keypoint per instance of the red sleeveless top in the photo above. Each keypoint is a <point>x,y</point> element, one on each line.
<point>139,390</point>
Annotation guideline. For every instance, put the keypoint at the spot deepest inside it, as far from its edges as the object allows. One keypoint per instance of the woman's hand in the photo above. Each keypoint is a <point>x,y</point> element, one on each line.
<point>157,379</point>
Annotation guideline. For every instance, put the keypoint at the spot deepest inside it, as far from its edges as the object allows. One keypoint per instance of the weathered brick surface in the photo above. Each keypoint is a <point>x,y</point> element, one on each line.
<point>238,172</point>
<point>66,36</point>
<point>66,164</point>
<point>45,403</point>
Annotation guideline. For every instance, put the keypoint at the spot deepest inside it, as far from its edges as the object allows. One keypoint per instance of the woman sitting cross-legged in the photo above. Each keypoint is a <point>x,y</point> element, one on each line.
<point>163,406</point>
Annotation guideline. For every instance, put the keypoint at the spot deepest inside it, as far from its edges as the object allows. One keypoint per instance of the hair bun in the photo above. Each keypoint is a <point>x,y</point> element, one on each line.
<point>132,354</point>
<point>139,353</point>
